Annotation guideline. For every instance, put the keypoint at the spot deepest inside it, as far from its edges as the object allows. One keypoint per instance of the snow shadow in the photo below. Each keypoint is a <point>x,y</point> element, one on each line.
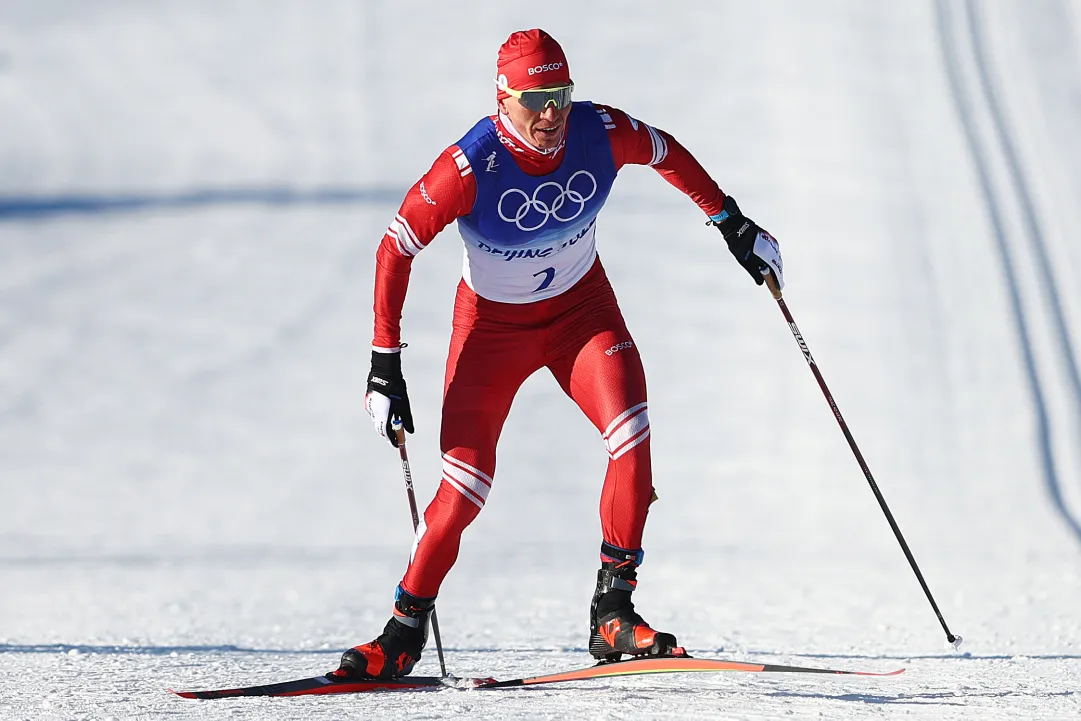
<point>940,698</point>
<point>43,207</point>
<point>75,649</point>
<point>201,558</point>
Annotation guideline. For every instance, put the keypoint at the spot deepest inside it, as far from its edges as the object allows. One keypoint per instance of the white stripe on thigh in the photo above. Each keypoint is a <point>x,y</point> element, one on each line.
<point>471,482</point>
<point>630,428</point>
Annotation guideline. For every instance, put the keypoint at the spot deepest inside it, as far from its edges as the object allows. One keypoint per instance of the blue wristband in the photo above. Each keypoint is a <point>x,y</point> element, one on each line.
<point>723,215</point>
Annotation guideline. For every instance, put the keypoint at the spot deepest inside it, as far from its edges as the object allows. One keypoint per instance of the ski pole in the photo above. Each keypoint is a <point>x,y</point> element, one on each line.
<point>771,282</point>
<point>396,426</point>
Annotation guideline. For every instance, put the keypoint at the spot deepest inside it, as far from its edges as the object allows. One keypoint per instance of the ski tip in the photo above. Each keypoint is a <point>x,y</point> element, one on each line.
<point>182,694</point>
<point>894,672</point>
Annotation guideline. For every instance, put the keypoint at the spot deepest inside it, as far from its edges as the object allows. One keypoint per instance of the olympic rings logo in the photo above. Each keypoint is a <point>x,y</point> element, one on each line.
<point>549,209</point>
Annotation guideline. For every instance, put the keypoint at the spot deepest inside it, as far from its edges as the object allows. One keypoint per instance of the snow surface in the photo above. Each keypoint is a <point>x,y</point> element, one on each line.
<point>191,194</point>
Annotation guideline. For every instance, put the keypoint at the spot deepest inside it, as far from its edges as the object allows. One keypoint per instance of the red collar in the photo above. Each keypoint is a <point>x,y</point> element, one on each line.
<point>528,158</point>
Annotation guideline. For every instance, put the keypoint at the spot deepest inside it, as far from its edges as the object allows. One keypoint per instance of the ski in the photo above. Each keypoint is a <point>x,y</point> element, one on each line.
<point>321,685</point>
<point>631,667</point>
<point>635,667</point>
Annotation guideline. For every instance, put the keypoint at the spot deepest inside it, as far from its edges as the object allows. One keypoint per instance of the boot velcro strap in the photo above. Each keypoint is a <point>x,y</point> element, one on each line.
<point>411,610</point>
<point>608,580</point>
<point>622,555</point>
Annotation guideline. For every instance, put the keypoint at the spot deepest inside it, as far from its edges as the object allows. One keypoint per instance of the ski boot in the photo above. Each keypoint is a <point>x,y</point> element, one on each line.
<point>397,649</point>
<point>614,626</point>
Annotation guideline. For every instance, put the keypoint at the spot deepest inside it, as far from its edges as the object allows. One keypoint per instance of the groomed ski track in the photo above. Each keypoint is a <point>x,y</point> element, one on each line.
<point>190,198</point>
<point>1035,295</point>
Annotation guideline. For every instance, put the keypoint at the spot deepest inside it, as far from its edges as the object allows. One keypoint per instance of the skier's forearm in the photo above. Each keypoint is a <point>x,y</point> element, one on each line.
<point>683,171</point>
<point>391,283</point>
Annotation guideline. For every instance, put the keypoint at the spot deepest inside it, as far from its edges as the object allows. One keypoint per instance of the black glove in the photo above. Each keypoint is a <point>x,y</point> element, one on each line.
<point>740,233</point>
<point>387,398</point>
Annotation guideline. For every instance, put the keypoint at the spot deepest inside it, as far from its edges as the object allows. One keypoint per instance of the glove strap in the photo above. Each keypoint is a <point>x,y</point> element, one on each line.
<point>387,365</point>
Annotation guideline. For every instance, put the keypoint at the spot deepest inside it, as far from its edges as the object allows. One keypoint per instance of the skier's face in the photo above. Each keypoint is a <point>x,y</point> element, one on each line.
<point>543,129</point>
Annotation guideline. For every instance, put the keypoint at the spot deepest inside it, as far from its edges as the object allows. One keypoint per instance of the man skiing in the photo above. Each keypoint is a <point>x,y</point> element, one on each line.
<point>525,186</point>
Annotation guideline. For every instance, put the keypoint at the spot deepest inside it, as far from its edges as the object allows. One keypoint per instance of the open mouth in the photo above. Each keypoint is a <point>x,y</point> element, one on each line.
<point>548,131</point>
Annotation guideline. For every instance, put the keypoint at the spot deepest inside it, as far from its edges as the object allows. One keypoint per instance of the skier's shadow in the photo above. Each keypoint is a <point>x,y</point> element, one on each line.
<point>924,657</point>
<point>941,698</point>
<point>945,698</point>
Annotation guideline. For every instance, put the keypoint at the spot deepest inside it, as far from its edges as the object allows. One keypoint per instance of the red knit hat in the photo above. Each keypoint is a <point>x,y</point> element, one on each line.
<point>529,59</point>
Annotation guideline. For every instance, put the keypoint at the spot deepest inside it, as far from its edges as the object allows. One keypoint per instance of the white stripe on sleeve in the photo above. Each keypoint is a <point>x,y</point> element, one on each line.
<point>414,242</point>
<point>464,168</point>
<point>403,234</point>
<point>660,146</point>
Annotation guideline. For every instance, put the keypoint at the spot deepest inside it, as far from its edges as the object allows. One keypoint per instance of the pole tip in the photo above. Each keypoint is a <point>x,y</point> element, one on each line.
<point>954,642</point>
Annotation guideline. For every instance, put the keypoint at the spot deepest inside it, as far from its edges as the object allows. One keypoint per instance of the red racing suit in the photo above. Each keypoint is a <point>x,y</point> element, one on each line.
<point>579,334</point>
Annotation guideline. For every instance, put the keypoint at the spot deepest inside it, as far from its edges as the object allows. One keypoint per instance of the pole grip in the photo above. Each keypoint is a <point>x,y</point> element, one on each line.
<point>771,283</point>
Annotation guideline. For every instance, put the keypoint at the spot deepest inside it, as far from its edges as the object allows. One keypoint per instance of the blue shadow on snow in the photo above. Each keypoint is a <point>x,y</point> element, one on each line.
<point>38,207</point>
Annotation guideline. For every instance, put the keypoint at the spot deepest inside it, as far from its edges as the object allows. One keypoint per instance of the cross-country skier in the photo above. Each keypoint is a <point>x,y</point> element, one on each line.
<point>525,186</point>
